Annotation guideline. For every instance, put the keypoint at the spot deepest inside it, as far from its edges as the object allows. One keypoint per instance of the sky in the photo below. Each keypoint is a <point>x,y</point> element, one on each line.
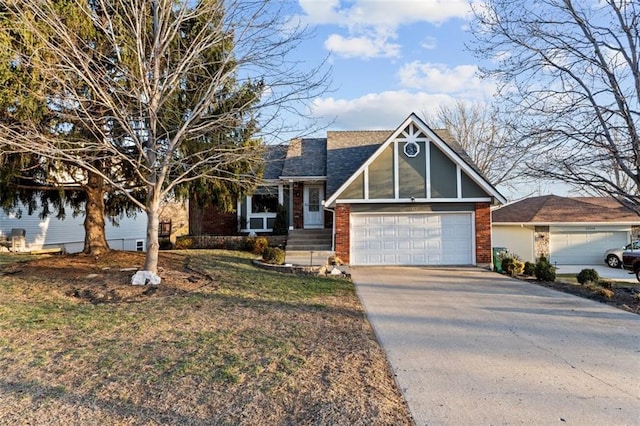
<point>390,58</point>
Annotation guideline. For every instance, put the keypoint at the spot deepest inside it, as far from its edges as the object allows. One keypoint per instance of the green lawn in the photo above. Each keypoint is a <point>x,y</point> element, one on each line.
<point>250,347</point>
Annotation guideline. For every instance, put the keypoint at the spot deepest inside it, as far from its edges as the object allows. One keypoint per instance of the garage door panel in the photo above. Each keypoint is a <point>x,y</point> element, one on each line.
<point>583,247</point>
<point>412,239</point>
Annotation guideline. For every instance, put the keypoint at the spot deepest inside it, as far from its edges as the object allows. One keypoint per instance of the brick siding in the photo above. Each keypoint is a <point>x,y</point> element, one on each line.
<point>298,213</point>
<point>343,243</point>
<point>210,221</point>
<point>483,234</point>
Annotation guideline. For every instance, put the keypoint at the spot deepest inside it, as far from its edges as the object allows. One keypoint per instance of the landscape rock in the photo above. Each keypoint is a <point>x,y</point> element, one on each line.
<point>144,278</point>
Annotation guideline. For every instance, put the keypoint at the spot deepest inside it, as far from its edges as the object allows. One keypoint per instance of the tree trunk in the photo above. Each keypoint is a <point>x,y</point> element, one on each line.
<point>95,240</point>
<point>153,247</point>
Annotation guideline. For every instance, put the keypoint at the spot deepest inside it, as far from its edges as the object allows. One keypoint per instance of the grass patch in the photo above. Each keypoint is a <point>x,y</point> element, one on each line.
<point>9,258</point>
<point>245,346</point>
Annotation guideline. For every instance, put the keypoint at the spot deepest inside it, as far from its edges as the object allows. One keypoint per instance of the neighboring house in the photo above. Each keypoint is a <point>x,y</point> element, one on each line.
<point>68,234</point>
<point>409,196</point>
<point>567,230</point>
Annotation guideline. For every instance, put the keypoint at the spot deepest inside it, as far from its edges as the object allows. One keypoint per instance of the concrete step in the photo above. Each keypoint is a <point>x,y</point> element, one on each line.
<point>309,239</point>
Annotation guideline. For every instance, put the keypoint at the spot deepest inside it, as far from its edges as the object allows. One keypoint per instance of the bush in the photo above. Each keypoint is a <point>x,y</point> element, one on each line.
<point>544,271</point>
<point>280,225</point>
<point>605,292</point>
<point>512,266</point>
<point>588,276</point>
<point>165,244</point>
<point>257,245</point>
<point>273,255</point>
<point>183,243</point>
<point>529,269</point>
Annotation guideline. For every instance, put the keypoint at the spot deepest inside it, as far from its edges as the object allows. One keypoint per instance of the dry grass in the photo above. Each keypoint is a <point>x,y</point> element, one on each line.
<point>218,342</point>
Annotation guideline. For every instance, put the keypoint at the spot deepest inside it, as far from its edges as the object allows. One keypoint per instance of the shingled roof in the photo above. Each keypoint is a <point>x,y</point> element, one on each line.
<point>306,158</point>
<point>347,150</point>
<point>274,157</point>
<point>556,209</point>
<point>338,156</point>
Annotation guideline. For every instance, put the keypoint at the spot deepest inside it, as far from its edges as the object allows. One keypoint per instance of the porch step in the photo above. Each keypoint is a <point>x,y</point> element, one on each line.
<point>309,239</point>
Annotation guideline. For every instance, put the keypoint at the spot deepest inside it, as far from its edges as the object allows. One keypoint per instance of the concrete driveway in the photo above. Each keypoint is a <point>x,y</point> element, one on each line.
<point>472,347</point>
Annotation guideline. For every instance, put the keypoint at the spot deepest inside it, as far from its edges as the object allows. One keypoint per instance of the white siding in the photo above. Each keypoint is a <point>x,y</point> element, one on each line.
<point>518,239</point>
<point>69,233</point>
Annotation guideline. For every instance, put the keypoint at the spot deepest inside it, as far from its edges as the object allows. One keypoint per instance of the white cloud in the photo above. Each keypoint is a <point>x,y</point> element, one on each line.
<point>377,111</point>
<point>429,43</point>
<point>375,22</point>
<point>462,79</point>
<point>388,14</point>
<point>361,47</point>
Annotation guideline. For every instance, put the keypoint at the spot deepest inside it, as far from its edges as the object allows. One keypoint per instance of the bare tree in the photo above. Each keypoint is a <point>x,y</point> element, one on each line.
<point>182,85</point>
<point>571,71</point>
<point>488,136</point>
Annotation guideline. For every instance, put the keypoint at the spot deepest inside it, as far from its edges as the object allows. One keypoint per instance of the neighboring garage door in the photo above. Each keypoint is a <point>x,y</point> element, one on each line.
<point>412,239</point>
<point>578,247</point>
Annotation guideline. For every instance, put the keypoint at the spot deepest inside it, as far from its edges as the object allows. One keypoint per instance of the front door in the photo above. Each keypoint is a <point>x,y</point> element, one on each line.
<point>313,211</point>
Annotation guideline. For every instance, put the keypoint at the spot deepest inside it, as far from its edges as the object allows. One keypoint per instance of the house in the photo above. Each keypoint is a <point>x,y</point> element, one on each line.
<point>409,196</point>
<point>68,233</point>
<point>567,230</point>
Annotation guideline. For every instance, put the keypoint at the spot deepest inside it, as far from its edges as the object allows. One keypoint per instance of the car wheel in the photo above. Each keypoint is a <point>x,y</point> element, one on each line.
<point>638,275</point>
<point>613,261</point>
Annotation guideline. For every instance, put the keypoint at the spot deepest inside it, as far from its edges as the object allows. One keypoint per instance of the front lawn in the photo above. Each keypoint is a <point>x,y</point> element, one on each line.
<point>218,342</point>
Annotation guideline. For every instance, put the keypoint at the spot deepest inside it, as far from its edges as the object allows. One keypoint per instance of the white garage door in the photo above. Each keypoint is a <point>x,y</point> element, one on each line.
<point>580,247</point>
<point>412,239</point>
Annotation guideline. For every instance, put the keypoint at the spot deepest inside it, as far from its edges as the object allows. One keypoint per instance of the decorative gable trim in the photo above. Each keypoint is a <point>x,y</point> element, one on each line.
<point>418,132</point>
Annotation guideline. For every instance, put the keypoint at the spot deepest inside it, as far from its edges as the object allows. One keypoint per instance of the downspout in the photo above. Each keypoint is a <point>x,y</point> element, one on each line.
<point>333,226</point>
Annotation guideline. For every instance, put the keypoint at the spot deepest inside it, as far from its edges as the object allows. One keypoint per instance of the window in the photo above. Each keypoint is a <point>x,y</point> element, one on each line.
<point>264,202</point>
<point>139,245</point>
<point>164,229</point>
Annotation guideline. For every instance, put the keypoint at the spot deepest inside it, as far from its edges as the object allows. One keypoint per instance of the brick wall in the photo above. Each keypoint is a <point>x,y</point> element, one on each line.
<point>298,216</point>
<point>210,221</point>
<point>343,212</point>
<point>483,234</point>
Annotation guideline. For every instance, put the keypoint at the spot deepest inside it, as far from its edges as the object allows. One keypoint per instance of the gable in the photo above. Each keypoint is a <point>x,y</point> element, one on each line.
<point>415,164</point>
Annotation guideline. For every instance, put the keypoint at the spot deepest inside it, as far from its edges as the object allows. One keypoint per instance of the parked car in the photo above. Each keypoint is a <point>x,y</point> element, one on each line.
<point>631,262</point>
<point>613,257</point>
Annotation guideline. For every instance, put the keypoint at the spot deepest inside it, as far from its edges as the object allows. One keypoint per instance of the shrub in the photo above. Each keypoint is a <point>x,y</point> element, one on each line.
<point>605,292</point>
<point>273,255</point>
<point>257,245</point>
<point>544,271</point>
<point>529,269</point>
<point>588,276</point>
<point>165,244</point>
<point>512,266</point>
<point>280,225</point>
<point>183,243</point>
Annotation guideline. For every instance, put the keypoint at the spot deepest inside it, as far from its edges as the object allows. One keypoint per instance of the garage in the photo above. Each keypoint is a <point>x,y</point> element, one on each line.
<point>412,239</point>
<point>571,246</point>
